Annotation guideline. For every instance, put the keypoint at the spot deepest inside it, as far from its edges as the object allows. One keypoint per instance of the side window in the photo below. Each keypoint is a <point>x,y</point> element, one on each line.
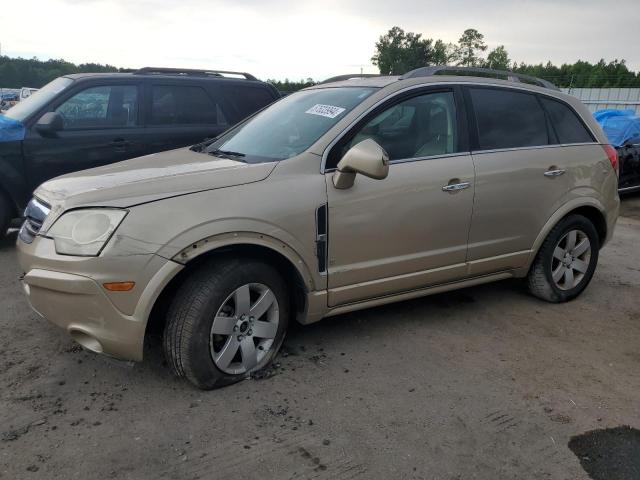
<point>418,127</point>
<point>508,119</point>
<point>569,128</point>
<point>183,105</point>
<point>248,99</point>
<point>106,106</point>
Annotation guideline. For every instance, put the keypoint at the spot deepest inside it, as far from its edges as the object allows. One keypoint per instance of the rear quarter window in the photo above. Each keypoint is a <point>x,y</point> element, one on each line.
<point>566,123</point>
<point>183,105</point>
<point>508,119</point>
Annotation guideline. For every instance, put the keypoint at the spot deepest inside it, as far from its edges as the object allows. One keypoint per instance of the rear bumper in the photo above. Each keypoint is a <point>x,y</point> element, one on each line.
<point>68,292</point>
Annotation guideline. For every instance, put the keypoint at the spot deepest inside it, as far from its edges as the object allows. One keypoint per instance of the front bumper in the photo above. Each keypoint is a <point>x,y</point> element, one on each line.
<point>68,292</point>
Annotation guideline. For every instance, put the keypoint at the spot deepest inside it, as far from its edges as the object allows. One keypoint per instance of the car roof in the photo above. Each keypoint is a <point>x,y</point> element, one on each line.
<point>393,83</point>
<point>156,76</point>
<point>386,80</point>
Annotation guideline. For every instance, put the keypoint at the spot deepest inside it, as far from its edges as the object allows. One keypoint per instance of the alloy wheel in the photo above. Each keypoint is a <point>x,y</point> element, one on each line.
<point>244,329</point>
<point>571,258</point>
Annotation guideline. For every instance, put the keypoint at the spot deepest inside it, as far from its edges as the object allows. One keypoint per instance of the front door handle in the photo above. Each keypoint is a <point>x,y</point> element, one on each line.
<point>456,187</point>
<point>554,172</point>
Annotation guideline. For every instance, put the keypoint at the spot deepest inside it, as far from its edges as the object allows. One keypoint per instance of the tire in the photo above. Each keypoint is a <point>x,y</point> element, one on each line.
<point>549,277</point>
<point>205,322</point>
<point>5,215</point>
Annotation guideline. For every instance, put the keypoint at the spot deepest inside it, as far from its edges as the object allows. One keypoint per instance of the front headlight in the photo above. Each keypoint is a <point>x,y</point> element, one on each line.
<point>84,232</point>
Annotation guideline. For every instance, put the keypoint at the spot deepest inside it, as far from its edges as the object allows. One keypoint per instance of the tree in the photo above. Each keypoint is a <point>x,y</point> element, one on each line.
<point>469,48</point>
<point>398,52</point>
<point>288,86</point>
<point>442,52</point>
<point>498,59</point>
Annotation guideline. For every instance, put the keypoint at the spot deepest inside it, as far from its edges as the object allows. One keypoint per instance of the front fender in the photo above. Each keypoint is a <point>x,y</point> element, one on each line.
<point>225,233</point>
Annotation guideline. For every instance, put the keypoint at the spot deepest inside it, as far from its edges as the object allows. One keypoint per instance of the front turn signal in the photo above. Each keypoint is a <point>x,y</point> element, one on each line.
<point>119,286</point>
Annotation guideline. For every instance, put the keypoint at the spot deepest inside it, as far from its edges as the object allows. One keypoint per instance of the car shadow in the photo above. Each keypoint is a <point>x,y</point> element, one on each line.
<point>630,205</point>
<point>304,340</point>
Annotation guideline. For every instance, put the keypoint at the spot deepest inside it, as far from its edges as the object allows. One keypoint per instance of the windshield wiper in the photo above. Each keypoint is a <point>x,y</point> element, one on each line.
<point>199,147</point>
<point>226,154</point>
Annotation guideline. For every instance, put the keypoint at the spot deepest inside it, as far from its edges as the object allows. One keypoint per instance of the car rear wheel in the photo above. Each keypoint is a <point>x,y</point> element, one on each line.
<point>566,261</point>
<point>228,320</point>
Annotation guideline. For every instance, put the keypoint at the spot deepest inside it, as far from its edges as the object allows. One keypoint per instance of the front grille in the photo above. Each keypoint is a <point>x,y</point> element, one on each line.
<point>34,215</point>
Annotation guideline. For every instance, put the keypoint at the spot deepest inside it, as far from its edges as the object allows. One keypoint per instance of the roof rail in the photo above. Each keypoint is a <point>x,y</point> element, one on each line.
<point>510,76</point>
<point>189,72</point>
<point>351,76</point>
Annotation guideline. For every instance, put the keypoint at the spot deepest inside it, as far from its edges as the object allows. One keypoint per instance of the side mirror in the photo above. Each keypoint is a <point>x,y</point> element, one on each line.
<point>367,158</point>
<point>50,123</point>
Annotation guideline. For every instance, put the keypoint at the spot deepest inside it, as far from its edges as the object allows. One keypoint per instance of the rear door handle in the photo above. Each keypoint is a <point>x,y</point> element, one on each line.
<point>455,187</point>
<point>554,172</point>
<point>120,143</point>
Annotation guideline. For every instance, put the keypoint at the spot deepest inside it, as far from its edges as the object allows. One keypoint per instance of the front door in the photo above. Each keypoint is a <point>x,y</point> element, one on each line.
<point>409,230</point>
<point>101,126</point>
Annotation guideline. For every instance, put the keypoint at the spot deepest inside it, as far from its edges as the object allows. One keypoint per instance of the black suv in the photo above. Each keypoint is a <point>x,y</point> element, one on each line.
<point>86,120</point>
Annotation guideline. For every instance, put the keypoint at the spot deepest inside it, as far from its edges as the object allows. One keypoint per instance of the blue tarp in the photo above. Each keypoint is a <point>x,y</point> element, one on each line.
<point>10,129</point>
<point>618,125</point>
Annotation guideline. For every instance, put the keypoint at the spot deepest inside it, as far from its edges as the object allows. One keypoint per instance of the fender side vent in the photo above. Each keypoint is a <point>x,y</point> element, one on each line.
<point>321,237</point>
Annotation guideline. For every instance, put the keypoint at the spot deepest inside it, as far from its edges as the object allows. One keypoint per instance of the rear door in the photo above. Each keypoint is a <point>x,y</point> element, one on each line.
<point>179,114</point>
<point>523,174</point>
<point>101,126</point>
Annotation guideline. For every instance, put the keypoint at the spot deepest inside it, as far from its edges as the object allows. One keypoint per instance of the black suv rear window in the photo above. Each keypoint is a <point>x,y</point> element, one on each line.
<point>180,105</point>
<point>508,119</point>
<point>248,98</point>
<point>569,128</point>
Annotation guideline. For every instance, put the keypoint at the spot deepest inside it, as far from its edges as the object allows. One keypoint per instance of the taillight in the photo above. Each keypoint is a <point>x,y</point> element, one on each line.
<point>612,153</point>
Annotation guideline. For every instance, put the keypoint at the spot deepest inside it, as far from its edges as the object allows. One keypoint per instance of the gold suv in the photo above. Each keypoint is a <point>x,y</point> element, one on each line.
<point>347,195</point>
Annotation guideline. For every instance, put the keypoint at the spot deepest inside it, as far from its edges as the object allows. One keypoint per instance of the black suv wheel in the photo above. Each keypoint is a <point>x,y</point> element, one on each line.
<point>5,215</point>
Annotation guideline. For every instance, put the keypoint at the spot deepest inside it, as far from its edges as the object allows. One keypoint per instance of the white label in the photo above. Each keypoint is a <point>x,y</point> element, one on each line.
<point>328,111</point>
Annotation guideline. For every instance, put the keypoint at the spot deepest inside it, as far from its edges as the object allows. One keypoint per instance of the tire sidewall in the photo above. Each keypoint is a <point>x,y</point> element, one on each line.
<point>574,222</point>
<point>201,368</point>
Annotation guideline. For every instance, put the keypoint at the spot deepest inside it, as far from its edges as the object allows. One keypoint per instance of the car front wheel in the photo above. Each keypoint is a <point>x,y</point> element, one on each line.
<point>228,320</point>
<point>5,215</point>
<point>566,261</point>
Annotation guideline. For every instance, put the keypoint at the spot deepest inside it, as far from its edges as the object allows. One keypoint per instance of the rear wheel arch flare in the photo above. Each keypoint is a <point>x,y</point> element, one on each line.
<point>596,217</point>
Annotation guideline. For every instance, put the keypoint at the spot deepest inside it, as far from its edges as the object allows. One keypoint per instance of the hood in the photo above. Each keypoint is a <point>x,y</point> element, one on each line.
<point>149,178</point>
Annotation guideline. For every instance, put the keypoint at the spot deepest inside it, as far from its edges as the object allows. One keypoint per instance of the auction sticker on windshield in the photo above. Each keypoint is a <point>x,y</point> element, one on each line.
<point>328,111</point>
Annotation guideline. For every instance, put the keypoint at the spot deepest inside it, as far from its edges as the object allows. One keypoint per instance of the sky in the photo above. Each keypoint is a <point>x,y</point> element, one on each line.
<point>297,39</point>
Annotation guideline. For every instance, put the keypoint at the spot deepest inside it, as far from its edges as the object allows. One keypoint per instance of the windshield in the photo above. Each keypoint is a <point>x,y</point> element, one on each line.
<point>290,126</point>
<point>23,109</point>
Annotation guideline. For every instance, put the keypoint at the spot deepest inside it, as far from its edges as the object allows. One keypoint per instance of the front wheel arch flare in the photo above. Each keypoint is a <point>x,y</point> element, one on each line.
<point>293,277</point>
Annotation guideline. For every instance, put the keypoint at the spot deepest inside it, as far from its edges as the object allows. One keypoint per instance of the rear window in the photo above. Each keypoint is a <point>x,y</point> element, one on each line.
<point>184,105</point>
<point>508,119</point>
<point>568,127</point>
<point>248,99</point>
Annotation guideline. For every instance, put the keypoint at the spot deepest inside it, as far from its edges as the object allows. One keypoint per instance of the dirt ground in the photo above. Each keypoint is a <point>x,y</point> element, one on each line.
<point>483,383</point>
